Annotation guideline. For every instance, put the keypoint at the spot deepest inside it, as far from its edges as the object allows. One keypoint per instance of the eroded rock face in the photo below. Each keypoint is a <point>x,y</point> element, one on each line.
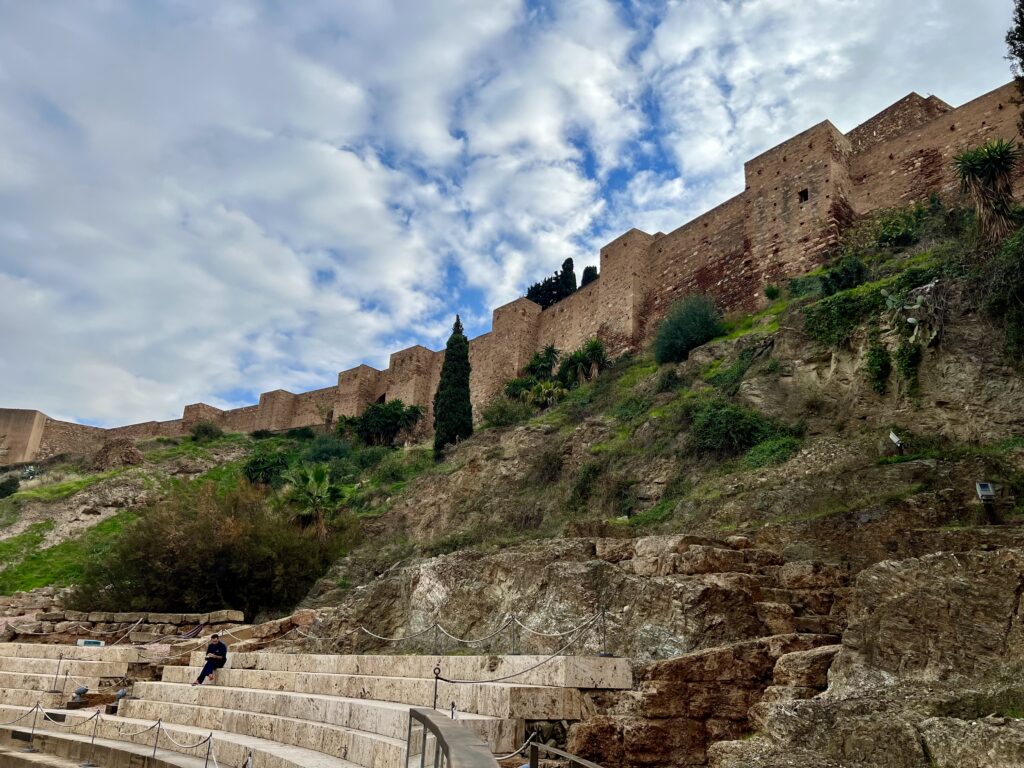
<point>931,658</point>
<point>117,453</point>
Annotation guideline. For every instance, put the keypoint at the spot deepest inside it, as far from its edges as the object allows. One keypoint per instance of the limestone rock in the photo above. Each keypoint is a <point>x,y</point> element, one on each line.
<point>117,453</point>
<point>808,669</point>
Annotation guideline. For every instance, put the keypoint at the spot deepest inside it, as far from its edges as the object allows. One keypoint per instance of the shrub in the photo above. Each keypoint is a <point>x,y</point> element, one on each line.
<point>804,286</point>
<point>204,431</point>
<point>774,450</point>
<point>324,448</point>
<point>266,465</point>
<point>848,273</point>
<point>691,322</point>
<point>368,458</point>
<point>772,292</point>
<point>300,433</point>
<point>728,379</point>
<point>586,477</point>
<point>878,365</point>
<point>899,228</point>
<point>382,423</point>
<point>1002,291</point>
<point>200,551</point>
<point>722,429</point>
<point>9,486</point>
<point>505,412</point>
<point>519,388</point>
<point>670,381</point>
<point>262,434</point>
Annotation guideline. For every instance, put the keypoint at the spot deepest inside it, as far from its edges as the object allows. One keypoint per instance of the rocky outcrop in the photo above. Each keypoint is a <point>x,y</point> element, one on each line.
<point>928,674</point>
<point>117,453</point>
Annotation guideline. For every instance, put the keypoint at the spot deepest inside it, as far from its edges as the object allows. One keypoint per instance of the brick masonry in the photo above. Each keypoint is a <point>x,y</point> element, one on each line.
<point>797,199</point>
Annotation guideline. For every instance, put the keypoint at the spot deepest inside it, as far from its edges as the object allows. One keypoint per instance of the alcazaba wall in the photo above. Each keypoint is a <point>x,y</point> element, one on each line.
<point>797,199</point>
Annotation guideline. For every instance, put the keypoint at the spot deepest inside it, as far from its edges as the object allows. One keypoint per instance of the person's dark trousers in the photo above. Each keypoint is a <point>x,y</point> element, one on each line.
<point>211,666</point>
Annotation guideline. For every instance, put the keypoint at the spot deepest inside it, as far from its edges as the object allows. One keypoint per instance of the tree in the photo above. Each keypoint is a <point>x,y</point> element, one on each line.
<point>381,423</point>
<point>555,288</point>
<point>589,276</point>
<point>583,364</point>
<point>1015,53</point>
<point>986,174</point>
<point>542,365</point>
<point>453,411</point>
<point>311,498</point>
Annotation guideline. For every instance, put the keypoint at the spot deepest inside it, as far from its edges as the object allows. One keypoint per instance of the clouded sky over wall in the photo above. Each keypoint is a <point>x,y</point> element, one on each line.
<point>203,200</point>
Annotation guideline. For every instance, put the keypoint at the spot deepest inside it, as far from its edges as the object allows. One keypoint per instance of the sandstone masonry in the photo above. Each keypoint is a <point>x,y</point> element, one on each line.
<point>798,198</point>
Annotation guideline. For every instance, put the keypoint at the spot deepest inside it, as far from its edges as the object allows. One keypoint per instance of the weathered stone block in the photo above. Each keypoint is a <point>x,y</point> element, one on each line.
<point>777,617</point>
<point>701,559</point>
<point>807,574</point>
<point>808,669</point>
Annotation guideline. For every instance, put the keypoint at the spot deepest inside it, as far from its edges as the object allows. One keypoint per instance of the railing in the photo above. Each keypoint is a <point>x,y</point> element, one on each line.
<point>455,746</point>
<point>574,762</point>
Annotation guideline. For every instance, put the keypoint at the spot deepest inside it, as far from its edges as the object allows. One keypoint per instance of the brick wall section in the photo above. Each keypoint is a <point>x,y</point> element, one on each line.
<point>798,197</point>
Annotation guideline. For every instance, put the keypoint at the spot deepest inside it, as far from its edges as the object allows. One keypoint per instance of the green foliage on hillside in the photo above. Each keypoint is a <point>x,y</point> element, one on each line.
<point>691,322</point>
<point>201,550</point>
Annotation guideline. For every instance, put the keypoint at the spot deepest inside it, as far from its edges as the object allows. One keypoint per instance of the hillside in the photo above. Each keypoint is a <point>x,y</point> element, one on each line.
<point>750,491</point>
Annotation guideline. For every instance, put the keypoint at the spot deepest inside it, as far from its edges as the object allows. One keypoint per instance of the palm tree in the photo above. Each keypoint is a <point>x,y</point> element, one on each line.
<point>543,363</point>
<point>546,393</point>
<point>986,174</point>
<point>594,355</point>
<point>311,497</point>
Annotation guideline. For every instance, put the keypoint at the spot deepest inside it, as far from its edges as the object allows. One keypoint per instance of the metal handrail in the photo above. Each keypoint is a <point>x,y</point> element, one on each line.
<point>574,762</point>
<point>455,746</point>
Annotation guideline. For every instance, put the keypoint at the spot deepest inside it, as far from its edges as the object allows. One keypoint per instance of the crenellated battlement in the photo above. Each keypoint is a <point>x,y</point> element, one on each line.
<point>797,199</point>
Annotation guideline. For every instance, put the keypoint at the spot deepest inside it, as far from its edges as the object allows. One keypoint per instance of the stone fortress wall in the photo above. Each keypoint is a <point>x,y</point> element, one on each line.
<point>797,199</point>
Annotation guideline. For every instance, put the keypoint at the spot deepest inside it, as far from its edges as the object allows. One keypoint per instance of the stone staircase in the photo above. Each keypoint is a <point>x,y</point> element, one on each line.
<point>292,710</point>
<point>31,672</point>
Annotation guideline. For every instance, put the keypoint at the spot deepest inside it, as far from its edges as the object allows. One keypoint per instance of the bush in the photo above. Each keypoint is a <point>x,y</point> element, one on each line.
<point>804,286</point>
<point>368,458</point>
<point>9,486</point>
<point>382,423</point>
<point>899,228</point>
<point>722,429</point>
<point>266,465</point>
<point>1002,291</point>
<point>848,273</point>
<point>505,412</point>
<point>772,292</point>
<point>691,322</point>
<point>202,551</point>
<point>262,434</point>
<point>774,450</point>
<point>205,431</point>
<point>300,433</point>
<point>670,381</point>
<point>878,365</point>
<point>325,448</point>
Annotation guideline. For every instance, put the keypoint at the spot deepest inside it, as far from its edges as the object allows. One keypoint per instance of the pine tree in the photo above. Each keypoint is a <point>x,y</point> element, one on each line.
<point>453,413</point>
<point>589,276</point>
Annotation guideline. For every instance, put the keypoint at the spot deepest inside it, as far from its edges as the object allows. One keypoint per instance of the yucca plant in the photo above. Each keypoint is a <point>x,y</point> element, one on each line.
<point>311,497</point>
<point>546,393</point>
<point>986,174</point>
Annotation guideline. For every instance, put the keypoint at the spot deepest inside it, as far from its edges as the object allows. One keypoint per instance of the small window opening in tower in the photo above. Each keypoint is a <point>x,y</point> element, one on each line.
<point>381,398</point>
<point>804,195</point>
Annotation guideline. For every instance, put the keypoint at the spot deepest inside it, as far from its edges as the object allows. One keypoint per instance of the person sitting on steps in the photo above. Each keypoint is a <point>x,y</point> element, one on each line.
<point>216,657</point>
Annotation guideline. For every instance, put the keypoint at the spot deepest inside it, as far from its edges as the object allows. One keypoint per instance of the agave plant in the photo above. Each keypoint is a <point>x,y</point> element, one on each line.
<point>546,393</point>
<point>986,174</point>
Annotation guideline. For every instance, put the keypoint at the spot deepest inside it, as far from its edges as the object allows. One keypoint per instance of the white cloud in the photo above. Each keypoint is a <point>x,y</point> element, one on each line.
<point>201,201</point>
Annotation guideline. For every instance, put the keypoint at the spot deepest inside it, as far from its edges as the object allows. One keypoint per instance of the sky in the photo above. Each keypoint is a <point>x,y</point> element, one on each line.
<point>200,201</point>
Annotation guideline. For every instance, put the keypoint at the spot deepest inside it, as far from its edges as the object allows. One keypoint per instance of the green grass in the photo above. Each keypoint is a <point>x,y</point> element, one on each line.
<point>62,564</point>
<point>657,514</point>
<point>15,549</point>
<point>764,322</point>
<point>637,372</point>
<point>58,491</point>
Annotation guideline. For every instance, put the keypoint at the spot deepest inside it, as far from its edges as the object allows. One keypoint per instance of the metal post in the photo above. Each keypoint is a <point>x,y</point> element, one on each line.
<point>534,756</point>
<point>453,710</point>
<point>92,743</point>
<point>64,688</point>
<point>32,731</point>
<point>157,739</point>
<point>56,674</point>
<point>423,748</point>
<point>514,634</point>
<point>209,748</point>
<point>437,677</point>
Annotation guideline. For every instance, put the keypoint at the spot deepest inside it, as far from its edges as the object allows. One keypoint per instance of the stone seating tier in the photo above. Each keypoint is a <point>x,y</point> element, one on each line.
<point>231,748</point>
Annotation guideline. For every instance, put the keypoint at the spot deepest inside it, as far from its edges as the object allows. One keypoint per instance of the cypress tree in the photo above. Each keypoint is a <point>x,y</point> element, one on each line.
<point>453,413</point>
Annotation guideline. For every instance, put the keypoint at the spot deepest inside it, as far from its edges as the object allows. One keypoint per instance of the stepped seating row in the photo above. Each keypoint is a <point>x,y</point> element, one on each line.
<point>291,710</point>
<point>32,673</point>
